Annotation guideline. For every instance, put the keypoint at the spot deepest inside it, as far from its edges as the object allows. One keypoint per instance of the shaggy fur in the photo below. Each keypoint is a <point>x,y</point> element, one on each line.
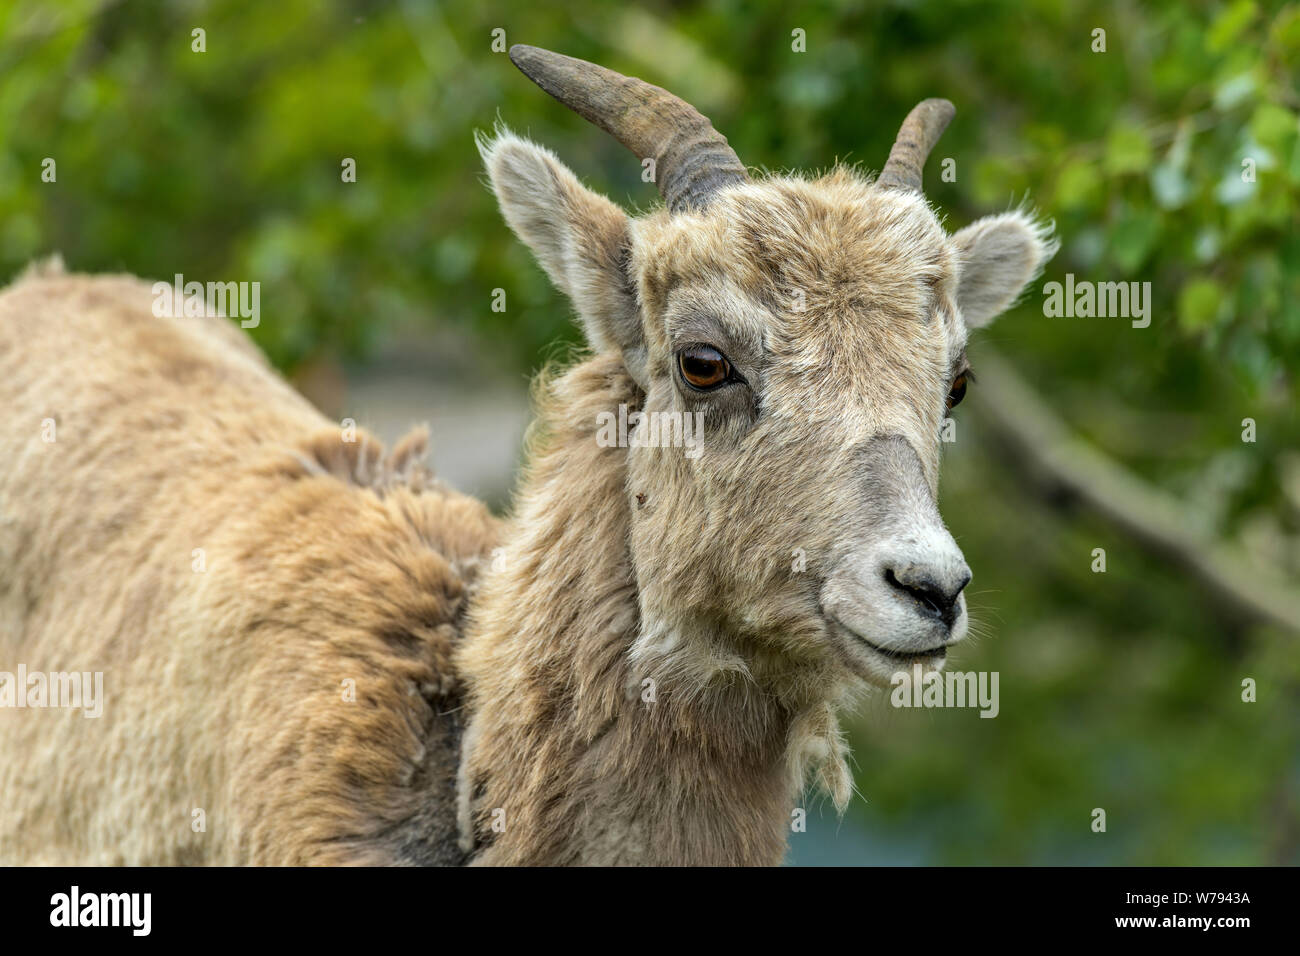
<point>224,687</point>
<point>646,674</point>
<point>651,676</point>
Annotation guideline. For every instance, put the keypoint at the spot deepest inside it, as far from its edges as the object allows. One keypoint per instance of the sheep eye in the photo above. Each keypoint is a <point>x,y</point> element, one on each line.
<point>957,392</point>
<point>703,367</point>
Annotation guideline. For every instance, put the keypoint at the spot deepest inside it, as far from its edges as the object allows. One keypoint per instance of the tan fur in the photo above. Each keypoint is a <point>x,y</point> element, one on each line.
<point>224,688</point>
<point>637,568</point>
<point>646,676</point>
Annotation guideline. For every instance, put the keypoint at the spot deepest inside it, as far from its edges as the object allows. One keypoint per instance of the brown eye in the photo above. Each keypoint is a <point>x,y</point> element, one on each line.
<point>703,367</point>
<point>958,391</point>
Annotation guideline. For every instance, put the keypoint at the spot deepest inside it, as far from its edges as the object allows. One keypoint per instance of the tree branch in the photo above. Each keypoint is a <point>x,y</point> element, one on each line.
<point>1042,445</point>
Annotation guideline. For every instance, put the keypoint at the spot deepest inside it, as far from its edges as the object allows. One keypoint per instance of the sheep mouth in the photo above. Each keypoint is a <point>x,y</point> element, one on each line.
<point>939,652</point>
<point>906,657</point>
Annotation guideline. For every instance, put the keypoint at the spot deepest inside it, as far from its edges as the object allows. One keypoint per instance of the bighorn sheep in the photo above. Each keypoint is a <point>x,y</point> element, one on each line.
<point>645,671</point>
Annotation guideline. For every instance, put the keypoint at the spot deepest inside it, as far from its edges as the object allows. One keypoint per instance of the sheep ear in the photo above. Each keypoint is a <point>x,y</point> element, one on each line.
<point>580,238</point>
<point>999,256</point>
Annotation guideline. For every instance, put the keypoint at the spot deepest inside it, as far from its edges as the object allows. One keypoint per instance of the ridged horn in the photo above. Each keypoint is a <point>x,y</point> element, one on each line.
<point>916,137</point>
<point>692,159</point>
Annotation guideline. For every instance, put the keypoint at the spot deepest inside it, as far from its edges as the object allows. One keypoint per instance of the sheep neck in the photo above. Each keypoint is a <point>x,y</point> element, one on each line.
<point>571,755</point>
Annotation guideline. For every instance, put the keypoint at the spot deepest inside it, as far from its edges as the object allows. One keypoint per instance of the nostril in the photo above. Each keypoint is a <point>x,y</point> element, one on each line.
<point>931,598</point>
<point>928,596</point>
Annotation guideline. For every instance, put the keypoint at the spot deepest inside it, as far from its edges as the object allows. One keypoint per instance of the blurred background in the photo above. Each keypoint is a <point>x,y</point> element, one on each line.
<point>1120,690</point>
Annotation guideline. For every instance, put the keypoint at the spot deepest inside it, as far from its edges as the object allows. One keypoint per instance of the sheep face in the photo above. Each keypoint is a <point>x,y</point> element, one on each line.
<point>793,348</point>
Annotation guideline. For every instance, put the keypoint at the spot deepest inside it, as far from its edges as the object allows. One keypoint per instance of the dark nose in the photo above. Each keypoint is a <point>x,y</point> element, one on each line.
<point>933,597</point>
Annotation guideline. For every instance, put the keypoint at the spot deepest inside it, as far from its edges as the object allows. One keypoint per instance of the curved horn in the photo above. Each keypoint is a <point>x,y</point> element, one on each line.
<point>692,159</point>
<point>916,137</point>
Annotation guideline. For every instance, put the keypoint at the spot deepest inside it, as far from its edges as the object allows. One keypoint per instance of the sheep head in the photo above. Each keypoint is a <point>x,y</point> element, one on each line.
<point>817,328</point>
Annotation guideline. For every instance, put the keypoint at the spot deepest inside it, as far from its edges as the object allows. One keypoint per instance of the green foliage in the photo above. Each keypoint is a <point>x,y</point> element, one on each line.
<point>1119,690</point>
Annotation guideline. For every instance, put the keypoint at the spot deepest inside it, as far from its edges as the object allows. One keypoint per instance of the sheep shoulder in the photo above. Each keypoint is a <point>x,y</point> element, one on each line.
<point>273,600</point>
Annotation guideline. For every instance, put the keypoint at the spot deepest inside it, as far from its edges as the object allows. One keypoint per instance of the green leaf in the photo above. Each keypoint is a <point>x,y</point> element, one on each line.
<point>1132,240</point>
<point>1198,304</point>
<point>1128,150</point>
<point>1284,36</point>
<point>1274,126</point>
<point>1079,185</point>
<point>1229,25</point>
